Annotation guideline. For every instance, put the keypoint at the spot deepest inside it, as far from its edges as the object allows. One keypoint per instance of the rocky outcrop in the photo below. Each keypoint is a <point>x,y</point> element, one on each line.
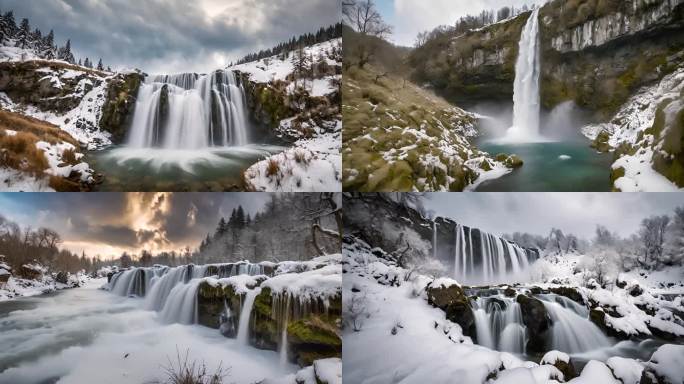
<point>569,292</point>
<point>48,85</point>
<point>598,317</point>
<point>211,307</point>
<point>538,322</point>
<point>454,302</point>
<point>596,53</point>
<point>117,112</point>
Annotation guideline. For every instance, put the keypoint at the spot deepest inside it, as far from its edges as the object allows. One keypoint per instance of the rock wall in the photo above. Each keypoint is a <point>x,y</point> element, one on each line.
<point>595,52</point>
<point>117,113</point>
<point>390,225</point>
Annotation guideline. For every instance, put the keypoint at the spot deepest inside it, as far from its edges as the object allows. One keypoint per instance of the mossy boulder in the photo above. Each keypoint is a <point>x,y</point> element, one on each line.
<point>600,143</point>
<point>211,307</point>
<point>537,320</point>
<point>117,111</point>
<point>513,161</point>
<point>265,332</point>
<point>313,338</point>
<point>454,302</point>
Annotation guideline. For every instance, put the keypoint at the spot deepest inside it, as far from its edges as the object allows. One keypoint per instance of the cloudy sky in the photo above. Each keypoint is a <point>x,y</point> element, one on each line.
<point>107,224</point>
<point>576,213</point>
<point>170,36</point>
<point>409,17</point>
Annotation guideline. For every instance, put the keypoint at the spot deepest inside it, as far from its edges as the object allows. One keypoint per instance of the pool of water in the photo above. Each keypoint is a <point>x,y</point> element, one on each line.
<point>561,166</point>
<point>156,169</point>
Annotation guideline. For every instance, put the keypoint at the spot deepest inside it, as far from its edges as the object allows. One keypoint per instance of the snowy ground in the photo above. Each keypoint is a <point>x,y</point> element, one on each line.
<point>17,287</point>
<point>278,69</point>
<point>12,180</point>
<point>310,165</point>
<point>630,125</point>
<point>393,336</point>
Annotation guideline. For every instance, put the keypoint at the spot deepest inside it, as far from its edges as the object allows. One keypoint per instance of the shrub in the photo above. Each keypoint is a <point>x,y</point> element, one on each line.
<point>273,167</point>
<point>183,371</point>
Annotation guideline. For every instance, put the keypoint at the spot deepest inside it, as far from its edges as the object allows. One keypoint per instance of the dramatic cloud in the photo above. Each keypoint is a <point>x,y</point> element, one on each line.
<point>409,17</point>
<point>110,223</point>
<point>170,36</point>
<point>576,213</point>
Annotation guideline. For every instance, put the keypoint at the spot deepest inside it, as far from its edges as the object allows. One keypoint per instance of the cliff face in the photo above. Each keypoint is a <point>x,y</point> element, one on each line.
<point>595,52</point>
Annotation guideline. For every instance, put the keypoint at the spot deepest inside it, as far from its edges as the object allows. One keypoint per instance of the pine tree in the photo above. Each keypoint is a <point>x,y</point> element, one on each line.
<point>47,50</point>
<point>9,25</point>
<point>100,67</point>
<point>24,34</point>
<point>222,228</point>
<point>65,53</point>
<point>240,217</point>
<point>80,63</point>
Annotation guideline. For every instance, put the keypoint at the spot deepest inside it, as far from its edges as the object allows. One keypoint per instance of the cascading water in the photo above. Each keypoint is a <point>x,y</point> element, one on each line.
<point>572,331</point>
<point>499,324</point>
<point>190,111</point>
<point>526,104</point>
<point>245,314</point>
<point>481,257</point>
<point>173,291</point>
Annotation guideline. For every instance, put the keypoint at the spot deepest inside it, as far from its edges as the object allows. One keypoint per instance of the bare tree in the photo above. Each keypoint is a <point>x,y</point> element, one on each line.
<point>364,17</point>
<point>652,235</point>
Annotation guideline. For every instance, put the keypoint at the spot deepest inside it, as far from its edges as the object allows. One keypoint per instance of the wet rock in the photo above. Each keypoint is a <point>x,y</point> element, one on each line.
<point>558,360</point>
<point>510,292</point>
<point>211,307</point>
<point>636,290</point>
<point>570,293</point>
<point>537,320</point>
<point>117,111</point>
<point>454,302</point>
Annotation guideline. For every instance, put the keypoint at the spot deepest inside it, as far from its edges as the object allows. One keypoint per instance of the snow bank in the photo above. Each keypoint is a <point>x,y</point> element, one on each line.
<point>595,372</point>
<point>552,357</point>
<point>321,283</point>
<point>668,362</point>
<point>12,180</point>
<point>240,283</point>
<point>311,165</point>
<point>626,370</point>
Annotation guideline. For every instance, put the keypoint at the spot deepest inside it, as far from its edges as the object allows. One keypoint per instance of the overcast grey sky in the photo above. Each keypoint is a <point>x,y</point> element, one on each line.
<point>110,223</point>
<point>576,213</point>
<point>170,36</point>
<point>409,17</point>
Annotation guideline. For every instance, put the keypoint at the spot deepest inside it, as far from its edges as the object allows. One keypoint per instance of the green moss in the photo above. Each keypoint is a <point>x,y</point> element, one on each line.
<point>314,330</point>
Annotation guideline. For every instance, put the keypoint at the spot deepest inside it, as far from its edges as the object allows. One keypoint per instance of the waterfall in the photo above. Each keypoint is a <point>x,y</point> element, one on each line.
<point>481,257</point>
<point>526,104</point>
<point>172,291</point>
<point>434,238</point>
<point>572,331</point>
<point>499,324</point>
<point>245,314</point>
<point>190,111</point>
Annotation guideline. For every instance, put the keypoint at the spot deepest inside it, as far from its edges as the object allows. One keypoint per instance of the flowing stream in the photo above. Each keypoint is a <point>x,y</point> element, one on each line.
<point>89,335</point>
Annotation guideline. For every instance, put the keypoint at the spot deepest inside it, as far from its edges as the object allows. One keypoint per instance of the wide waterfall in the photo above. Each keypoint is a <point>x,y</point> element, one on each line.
<point>481,257</point>
<point>190,111</point>
<point>499,324</point>
<point>526,104</point>
<point>172,291</point>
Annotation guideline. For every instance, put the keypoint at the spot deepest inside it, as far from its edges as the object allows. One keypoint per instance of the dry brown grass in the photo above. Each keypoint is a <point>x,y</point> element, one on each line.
<point>69,157</point>
<point>19,151</point>
<point>46,131</point>
<point>272,168</point>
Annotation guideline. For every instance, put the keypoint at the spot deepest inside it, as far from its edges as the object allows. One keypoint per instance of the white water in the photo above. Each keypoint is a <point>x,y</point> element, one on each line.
<point>82,335</point>
<point>494,260</point>
<point>526,102</point>
<point>500,328</point>
<point>173,291</point>
<point>245,315</point>
<point>572,332</point>
<point>201,111</point>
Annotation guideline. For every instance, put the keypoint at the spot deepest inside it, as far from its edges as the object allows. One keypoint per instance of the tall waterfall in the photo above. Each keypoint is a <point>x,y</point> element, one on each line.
<point>484,258</point>
<point>526,105</point>
<point>245,314</point>
<point>190,111</point>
